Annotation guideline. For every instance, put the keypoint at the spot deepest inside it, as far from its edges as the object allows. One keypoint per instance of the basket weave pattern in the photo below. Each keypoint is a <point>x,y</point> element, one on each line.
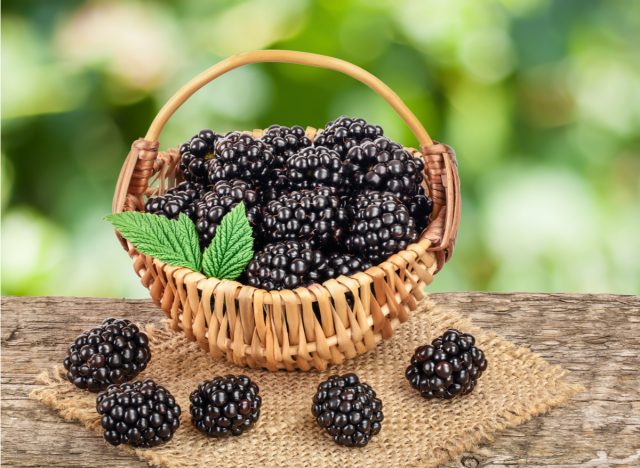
<point>308,327</point>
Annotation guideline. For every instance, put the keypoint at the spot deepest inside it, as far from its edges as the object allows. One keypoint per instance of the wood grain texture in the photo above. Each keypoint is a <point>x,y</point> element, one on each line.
<point>594,336</point>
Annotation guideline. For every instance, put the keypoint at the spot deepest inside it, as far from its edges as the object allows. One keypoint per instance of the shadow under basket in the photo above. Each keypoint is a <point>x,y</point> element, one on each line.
<point>308,327</point>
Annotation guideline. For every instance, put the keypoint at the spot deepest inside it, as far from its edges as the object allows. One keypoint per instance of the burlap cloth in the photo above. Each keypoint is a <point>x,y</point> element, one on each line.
<point>517,385</point>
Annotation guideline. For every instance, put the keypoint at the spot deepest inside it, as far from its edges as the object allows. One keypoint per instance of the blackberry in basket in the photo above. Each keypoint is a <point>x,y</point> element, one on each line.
<point>112,353</point>
<point>315,215</point>
<point>286,265</point>
<point>451,365</point>
<point>224,406</point>
<point>285,142</point>
<point>381,226</point>
<point>343,133</point>
<point>420,207</point>
<point>386,166</point>
<point>176,200</point>
<point>275,185</point>
<point>194,154</point>
<point>344,264</point>
<point>348,410</point>
<point>316,166</point>
<point>240,156</point>
<point>224,195</point>
<point>141,414</point>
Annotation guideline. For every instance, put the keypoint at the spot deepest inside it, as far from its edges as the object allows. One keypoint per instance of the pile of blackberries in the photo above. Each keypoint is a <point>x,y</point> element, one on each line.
<point>353,194</point>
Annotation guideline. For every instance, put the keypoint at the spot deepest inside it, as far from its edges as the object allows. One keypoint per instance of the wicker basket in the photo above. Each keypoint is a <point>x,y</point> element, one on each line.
<point>308,327</point>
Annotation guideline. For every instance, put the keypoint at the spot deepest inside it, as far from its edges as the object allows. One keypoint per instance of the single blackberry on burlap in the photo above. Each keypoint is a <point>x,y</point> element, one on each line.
<point>348,410</point>
<point>112,353</point>
<point>224,406</point>
<point>140,414</point>
<point>451,365</point>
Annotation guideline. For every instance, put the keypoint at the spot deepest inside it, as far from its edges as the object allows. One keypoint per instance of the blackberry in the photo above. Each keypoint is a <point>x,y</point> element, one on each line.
<point>112,353</point>
<point>420,207</point>
<point>316,166</point>
<point>194,154</point>
<point>225,406</point>
<point>274,186</point>
<point>224,195</point>
<point>179,199</point>
<point>345,264</point>
<point>240,156</point>
<point>285,142</point>
<point>141,414</point>
<point>451,365</point>
<point>289,265</point>
<point>348,410</point>
<point>345,132</point>
<point>386,166</point>
<point>315,215</point>
<point>381,226</point>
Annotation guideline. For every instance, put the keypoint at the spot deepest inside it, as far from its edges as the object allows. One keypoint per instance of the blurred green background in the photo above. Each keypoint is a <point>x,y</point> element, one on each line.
<point>540,98</point>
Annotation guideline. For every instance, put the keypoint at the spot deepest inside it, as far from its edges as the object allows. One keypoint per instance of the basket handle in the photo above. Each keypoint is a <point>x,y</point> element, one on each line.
<point>287,56</point>
<point>141,159</point>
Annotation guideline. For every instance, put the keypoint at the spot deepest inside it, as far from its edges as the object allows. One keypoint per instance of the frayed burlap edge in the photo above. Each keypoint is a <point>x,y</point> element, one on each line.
<point>517,386</point>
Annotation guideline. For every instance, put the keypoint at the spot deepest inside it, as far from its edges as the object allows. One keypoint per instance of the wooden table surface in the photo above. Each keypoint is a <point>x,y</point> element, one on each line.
<point>596,337</point>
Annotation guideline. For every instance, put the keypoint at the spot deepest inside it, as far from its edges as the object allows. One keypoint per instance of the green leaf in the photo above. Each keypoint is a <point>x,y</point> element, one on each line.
<point>174,242</point>
<point>231,248</point>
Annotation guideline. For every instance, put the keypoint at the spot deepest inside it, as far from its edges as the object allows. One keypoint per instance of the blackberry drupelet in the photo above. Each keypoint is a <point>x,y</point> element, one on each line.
<point>286,265</point>
<point>451,365</point>
<point>140,414</point>
<point>380,226</point>
<point>179,199</point>
<point>315,166</point>
<point>385,166</point>
<point>345,264</point>
<point>343,133</point>
<point>348,410</point>
<point>315,215</point>
<point>112,353</point>
<point>285,142</point>
<point>224,195</point>
<point>240,156</point>
<point>225,406</point>
<point>194,154</point>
